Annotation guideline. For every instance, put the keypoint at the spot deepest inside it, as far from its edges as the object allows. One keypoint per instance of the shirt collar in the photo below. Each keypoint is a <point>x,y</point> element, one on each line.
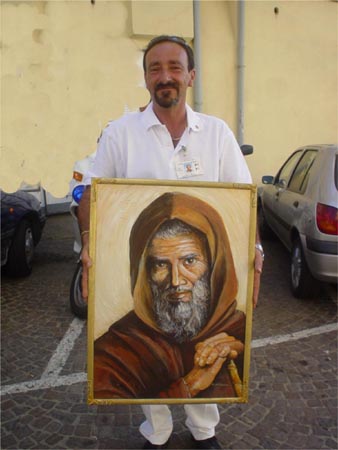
<point>150,119</point>
<point>194,121</point>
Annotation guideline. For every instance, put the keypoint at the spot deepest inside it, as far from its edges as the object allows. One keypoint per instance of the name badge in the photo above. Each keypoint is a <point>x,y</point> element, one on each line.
<point>186,169</point>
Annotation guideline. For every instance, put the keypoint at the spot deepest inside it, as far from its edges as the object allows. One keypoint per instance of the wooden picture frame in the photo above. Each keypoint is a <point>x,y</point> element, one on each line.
<point>172,281</point>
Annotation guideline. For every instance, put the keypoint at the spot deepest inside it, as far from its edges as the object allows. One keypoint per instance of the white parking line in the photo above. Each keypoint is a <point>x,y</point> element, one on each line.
<point>63,350</point>
<point>51,378</point>
<point>44,383</point>
<point>294,336</point>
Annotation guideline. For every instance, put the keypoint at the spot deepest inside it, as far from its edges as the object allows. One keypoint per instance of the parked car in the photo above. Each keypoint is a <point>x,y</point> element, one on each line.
<point>300,206</point>
<point>22,222</point>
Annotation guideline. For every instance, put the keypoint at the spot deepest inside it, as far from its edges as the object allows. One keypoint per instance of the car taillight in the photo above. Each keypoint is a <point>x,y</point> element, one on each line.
<point>78,176</point>
<point>327,219</point>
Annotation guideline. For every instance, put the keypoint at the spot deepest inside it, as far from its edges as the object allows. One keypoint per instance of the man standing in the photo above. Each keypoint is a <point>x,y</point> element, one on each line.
<point>161,142</point>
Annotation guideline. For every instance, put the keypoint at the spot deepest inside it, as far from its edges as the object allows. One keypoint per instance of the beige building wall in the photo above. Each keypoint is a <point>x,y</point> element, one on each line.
<point>290,79</point>
<point>68,67</point>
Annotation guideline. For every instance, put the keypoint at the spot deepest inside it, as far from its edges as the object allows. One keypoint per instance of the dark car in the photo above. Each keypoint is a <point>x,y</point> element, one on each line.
<point>22,222</point>
<point>300,205</point>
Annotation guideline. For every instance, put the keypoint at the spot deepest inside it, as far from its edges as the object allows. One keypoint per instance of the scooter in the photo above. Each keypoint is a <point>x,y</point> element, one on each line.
<point>77,304</point>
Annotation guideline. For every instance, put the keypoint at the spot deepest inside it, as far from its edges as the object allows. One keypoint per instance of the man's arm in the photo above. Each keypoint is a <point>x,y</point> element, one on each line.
<point>83,216</point>
<point>259,259</point>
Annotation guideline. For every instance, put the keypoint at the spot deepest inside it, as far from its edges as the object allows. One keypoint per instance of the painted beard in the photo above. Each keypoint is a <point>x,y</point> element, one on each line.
<point>165,99</point>
<point>182,320</point>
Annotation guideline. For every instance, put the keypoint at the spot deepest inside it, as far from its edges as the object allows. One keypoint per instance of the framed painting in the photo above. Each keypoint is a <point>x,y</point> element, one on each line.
<point>170,291</point>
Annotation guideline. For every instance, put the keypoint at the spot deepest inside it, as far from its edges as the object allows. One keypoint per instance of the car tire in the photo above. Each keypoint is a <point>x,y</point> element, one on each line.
<point>77,304</point>
<point>303,284</point>
<point>21,251</point>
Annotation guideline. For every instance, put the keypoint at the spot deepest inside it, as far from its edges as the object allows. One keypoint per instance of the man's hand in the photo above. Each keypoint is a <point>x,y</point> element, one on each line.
<point>86,264</point>
<point>259,259</point>
<point>83,212</point>
<point>209,358</point>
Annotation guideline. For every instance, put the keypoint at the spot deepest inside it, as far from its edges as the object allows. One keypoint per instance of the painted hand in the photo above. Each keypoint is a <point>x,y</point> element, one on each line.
<point>219,346</point>
<point>209,358</point>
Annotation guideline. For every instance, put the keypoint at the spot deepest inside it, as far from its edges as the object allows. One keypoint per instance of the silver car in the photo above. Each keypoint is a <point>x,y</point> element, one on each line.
<point>300,206</point>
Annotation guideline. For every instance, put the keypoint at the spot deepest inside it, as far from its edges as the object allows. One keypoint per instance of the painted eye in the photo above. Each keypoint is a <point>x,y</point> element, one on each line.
<point>190,261</point>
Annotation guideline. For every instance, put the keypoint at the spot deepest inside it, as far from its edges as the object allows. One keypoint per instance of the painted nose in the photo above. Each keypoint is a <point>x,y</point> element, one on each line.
<point>176,277</point>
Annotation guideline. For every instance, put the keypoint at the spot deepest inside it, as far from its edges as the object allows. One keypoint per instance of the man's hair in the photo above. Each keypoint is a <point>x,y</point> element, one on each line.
<point>177,40</point>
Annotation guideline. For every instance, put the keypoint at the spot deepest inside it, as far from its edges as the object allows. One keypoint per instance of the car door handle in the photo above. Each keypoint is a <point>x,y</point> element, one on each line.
<point>296,204</point>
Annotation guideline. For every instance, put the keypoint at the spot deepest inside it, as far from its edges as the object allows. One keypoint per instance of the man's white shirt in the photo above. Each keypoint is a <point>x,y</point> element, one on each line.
<point>138,145</point>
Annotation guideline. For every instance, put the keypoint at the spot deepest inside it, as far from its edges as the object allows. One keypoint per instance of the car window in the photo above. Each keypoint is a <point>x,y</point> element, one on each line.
<point>283,176</point>
<point>300,176</point>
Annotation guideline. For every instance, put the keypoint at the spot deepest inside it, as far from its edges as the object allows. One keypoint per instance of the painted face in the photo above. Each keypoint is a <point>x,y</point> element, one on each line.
<point>175,264</point>
<point>179,279</point>
<point>167,76</point>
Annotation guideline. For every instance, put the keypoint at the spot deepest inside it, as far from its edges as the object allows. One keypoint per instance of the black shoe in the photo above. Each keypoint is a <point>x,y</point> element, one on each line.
<point>149,445</point>
<point>206,443</point>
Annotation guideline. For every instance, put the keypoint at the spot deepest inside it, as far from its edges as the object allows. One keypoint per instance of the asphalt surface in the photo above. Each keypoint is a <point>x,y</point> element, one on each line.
<point>293,376</point>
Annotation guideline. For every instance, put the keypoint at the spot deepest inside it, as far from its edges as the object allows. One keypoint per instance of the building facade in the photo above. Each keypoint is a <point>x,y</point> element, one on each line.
<point>268,68</point>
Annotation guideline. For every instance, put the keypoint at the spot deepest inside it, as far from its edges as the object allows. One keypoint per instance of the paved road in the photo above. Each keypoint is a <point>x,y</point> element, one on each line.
<point>293,381</point>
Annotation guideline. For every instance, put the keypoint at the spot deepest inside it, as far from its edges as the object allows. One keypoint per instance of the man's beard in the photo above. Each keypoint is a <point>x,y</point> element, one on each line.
<point>182,320</point>
<point>166,100</point>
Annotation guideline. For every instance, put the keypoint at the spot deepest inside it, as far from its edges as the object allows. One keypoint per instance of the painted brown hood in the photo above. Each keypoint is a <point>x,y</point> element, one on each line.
<point>200,215</point>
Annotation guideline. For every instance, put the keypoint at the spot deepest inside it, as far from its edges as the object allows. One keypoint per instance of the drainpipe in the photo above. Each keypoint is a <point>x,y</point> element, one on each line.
<point>198,95</point>
<point>240,73</point>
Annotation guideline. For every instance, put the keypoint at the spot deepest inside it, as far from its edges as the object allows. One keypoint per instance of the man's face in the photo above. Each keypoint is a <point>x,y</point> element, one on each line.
<point>167,76</point>
<point>178,270</point>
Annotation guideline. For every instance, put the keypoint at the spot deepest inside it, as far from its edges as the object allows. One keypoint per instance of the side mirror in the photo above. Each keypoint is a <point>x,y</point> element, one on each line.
<point>247,149</point>
<point>267,179</point>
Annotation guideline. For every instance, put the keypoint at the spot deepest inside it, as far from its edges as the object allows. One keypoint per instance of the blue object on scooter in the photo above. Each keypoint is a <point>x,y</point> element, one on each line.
<point>78,192</point>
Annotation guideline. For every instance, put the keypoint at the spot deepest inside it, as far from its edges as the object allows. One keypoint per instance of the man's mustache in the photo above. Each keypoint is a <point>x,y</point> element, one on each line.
<point>170,84</point>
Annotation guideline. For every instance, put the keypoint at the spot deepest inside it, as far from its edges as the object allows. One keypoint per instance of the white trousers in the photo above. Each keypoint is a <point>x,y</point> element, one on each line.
<point>201,421</point>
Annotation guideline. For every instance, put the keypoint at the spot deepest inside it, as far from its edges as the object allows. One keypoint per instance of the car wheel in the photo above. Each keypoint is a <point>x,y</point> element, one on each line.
<point>77,303</point>
<point>303,285</point>
<point>21,251</point>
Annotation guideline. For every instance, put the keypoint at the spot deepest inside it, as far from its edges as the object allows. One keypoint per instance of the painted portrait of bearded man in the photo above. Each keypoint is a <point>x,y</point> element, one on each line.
<point>185,336</point>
